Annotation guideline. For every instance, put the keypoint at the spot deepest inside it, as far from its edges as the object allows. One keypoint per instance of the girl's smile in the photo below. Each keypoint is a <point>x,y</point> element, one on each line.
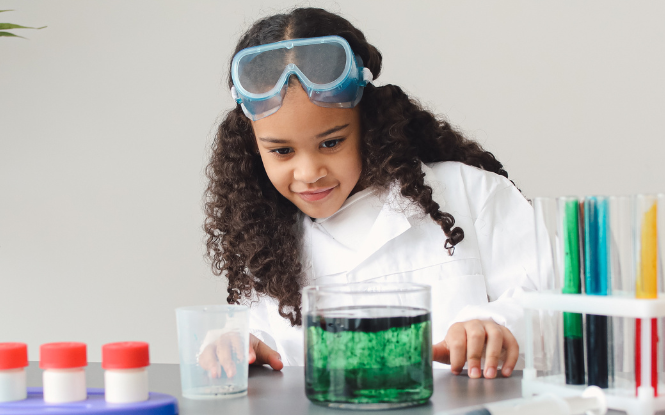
<point>311,153</point>
<point>316,195</point>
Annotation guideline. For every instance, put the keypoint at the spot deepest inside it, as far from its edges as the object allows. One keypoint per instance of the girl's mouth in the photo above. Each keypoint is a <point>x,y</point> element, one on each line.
<point>314,195</point>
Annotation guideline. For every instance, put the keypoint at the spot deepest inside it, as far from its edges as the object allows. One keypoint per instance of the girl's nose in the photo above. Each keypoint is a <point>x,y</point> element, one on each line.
<point>309,170</point>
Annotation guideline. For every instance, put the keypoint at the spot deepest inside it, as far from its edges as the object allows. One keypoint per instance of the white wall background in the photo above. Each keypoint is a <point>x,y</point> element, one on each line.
<point>106,117</point>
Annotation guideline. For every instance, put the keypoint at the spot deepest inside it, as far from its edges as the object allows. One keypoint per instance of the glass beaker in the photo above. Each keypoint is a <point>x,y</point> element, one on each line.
<point>368,345</point>
<point>213,341</point>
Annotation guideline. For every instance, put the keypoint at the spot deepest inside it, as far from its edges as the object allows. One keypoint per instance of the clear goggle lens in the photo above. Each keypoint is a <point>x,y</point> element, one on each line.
<point>320,63</point>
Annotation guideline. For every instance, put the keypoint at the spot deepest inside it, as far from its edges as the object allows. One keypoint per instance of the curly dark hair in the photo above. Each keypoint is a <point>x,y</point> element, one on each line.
<point>252,230</point>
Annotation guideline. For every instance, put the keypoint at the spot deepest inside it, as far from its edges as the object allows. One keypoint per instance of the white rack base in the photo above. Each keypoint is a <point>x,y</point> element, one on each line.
<point>622,395</point>
<point>619,398</point>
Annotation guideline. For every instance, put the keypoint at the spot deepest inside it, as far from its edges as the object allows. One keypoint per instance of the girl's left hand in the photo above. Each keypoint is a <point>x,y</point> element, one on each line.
<point>470,341</point>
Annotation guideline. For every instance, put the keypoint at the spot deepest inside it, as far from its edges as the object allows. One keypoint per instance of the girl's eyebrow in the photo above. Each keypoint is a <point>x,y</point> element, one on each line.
<point>323,134</point>
<point>273,140</point>
<point>332,130</point>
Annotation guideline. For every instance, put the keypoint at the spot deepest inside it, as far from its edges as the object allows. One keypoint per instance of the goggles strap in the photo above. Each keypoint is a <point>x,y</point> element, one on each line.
<point>368,76</point>
<point>234,94</point>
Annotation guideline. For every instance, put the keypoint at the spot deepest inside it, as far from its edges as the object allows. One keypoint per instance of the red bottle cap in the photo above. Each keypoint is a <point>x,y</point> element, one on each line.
<point>125,355</point>
<point>66,355</point>
<point>13,355</point>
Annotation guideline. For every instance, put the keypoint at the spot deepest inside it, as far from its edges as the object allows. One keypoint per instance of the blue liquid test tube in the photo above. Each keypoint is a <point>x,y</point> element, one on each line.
<point>596,267</point>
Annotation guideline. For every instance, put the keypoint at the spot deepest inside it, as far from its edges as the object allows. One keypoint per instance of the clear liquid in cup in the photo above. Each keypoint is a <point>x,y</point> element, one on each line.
<point>200,385</point>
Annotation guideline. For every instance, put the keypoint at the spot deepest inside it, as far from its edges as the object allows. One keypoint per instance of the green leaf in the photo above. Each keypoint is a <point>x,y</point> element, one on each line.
<point>6,11</point>
<point>9,34</point>
<point>5,26</point>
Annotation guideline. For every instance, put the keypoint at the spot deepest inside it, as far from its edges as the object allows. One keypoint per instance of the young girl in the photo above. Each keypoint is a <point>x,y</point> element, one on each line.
<point>314,185</point>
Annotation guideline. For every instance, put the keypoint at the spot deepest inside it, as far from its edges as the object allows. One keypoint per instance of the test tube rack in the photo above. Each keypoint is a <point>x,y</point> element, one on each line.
<point>618,397</point>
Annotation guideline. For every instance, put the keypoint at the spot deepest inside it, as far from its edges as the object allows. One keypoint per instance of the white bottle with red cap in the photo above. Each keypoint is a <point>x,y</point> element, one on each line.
<point>64,373</point>
<point>13,360</point>
<point>125,371</point>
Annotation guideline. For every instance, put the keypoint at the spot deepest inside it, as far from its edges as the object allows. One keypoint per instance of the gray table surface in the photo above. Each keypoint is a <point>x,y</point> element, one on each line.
<point>276,393</point>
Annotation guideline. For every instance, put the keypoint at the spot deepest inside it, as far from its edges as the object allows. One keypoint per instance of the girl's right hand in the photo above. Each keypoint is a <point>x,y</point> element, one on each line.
<point>218,355</point>
<point>261,354</point>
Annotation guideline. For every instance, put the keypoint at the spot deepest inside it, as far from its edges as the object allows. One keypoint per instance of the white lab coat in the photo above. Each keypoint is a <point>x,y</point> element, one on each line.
<point>384,237</point>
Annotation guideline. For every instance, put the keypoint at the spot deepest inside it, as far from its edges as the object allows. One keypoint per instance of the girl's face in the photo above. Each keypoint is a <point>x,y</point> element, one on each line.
<point>311,153</point>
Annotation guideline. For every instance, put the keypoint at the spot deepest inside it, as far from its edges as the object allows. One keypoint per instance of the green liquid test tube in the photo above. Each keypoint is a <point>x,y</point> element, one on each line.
<point>572,322</point>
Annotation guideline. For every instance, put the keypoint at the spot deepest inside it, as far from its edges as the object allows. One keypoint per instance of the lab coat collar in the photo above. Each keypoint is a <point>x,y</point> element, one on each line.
<point>392,221</point>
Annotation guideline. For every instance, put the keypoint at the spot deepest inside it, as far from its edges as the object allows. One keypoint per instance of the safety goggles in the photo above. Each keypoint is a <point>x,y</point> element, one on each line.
<point>327,69</point>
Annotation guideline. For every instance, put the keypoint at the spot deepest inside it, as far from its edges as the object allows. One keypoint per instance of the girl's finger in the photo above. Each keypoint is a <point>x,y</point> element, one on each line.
<point>224,355</point>
<point>475,342</point>
<point>215,372</point>
<point>207,359</point>
<point>512,352</point>
<point>236,345</point>
<point>253,342</point>
<point>266,355</point>
<point>251,358</point>
<point>493,348</point>
<point>456,341</point>
<point>441,352</point>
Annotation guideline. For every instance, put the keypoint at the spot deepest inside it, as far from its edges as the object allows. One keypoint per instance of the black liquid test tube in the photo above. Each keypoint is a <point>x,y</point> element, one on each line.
<point>573,349</point>
<point>597,351</point>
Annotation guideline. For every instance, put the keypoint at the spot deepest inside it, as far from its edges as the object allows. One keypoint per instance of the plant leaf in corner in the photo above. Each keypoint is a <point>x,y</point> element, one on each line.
<point>5,26</point>
<point>10,34</point>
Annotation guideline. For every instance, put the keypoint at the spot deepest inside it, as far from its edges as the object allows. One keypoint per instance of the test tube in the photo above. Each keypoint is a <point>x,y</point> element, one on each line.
<point>547,348</point>
<point>558,234</point>
<point>596,267</point>
<point>646,286</point>
<point>661,283</point>
<point>622,281</point>
<point>572,322</point>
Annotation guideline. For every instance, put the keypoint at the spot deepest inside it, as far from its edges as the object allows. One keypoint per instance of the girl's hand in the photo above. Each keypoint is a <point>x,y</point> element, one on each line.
<point>218,355</point>
<point>261,354</point>
<point>470,340</point>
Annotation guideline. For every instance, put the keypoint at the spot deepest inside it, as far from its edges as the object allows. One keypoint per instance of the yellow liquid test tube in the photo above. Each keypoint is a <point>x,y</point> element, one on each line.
<point>647,281</point>
<point>646,287</point>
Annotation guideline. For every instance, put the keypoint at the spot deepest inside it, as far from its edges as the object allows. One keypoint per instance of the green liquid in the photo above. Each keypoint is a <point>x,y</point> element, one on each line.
<point>378,357</point>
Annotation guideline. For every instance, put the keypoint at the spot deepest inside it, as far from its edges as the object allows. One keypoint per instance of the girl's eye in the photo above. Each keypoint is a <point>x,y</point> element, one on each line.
<point>281,151</point>
<point>330,143</point>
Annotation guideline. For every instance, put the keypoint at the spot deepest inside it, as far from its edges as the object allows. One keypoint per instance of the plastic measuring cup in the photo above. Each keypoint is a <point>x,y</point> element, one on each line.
<point>214,346</point>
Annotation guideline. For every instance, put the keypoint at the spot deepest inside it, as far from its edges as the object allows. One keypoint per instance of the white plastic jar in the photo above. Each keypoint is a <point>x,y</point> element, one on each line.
<point>125,371</point>
<point>64,373</point>
<point>13,360</point>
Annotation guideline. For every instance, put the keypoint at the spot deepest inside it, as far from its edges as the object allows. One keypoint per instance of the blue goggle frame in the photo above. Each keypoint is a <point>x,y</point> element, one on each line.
<point>345,91</point>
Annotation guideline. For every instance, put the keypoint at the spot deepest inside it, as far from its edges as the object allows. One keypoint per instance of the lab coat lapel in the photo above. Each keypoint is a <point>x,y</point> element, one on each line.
<point>388,225</point>
<point>393,220</point>
<point>329,257</point>
<point>326,256</point>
